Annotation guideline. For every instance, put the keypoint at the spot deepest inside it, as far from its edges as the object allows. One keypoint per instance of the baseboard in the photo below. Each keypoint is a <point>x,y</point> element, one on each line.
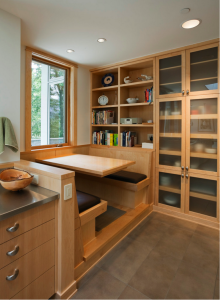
<point>67,294</point>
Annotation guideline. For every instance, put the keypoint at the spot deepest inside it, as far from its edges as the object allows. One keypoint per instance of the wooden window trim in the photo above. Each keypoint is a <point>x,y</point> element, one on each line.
<point>71,69</point>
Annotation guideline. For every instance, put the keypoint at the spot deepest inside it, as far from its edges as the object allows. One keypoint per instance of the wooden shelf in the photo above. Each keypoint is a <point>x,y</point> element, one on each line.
<point>203,155</point>
<point>204,116</point>
<point>170,68</point>
<point>208,136</point>
<point>169,189</point>
<point>136,84</point>
<point>204,61</point>
<point>104,106</point>
<point>200,79</point>
<point>172,135</point>
<point>172,117</point>
<point>169,83</point>
<point>203,196</point>
<point>114,87</point>
<point>102,125</point>
<point>137,104</point>
<point>170,152</point>
<point>137,125</point>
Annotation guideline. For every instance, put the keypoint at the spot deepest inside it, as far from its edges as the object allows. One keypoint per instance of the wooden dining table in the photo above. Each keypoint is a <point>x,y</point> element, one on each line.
<point>88,164</point>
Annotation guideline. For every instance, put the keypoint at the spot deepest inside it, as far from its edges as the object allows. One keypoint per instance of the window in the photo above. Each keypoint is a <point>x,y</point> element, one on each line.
<point>50,101</point>
<point>48,104</point>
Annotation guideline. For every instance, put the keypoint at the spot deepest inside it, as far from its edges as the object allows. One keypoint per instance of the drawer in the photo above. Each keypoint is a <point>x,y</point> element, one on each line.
<point>26,221</point>
<point>26,242</point>
<point>30,267</point>
<point>41,288</point>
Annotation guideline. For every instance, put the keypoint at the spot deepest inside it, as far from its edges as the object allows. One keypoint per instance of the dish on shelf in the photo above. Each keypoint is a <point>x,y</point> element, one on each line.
<point>132,100</point>
<point>150,121</point>
<point>171,199</point>
<point>194,112</point>
<point>15,180</point>
<point>165,180</point>
<point>211,150</point>
<point>194,165</point>
<point>175,113</point>
<point>199,147</point>
<point>177,163</point>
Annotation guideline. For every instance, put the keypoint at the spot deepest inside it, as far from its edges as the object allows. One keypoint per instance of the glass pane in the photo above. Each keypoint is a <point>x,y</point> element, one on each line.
<point>198,146</point>
<point>170,189</point>
<point>170,160</point>
<point>204,70</point>
<point>205,126</point>
<point>170,108</point>
<point>57,113</point>
<point>203,106</point>
<point>202,163</point>
<point>203,196</point>
<point>170,126</point>
<point>170,144</point>
<point>48,111</point>
<point>170,75</point>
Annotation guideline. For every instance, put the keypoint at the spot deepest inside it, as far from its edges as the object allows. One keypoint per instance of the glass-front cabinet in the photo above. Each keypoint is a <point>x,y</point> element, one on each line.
<point>202,196</point>
<point>202,70</point>
<point>171,75</point>
<point>171,133</point>
<point>202,134</point>
<point>170,189</point>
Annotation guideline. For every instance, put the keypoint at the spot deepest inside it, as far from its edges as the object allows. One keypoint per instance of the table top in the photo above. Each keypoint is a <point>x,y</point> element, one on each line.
<point>13,203</point>
<point>88,164</point>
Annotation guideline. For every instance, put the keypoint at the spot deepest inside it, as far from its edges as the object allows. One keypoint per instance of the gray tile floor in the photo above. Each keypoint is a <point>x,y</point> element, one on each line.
<point>163,258</point>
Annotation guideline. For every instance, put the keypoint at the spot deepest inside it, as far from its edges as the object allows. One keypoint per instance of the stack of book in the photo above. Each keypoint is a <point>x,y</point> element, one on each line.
<point>128,139</point>
<point>102,117</point>
<point>106,137</point>
<point>148,95</point>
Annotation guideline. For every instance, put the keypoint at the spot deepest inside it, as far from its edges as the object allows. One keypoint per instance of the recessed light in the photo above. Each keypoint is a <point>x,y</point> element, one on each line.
<point>69,50</point>
<point>101,40</point>
<point>185,11</point>
<point>191,24</point>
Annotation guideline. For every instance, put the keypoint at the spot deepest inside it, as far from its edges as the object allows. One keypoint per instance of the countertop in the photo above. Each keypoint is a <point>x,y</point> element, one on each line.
<point>13,203</point>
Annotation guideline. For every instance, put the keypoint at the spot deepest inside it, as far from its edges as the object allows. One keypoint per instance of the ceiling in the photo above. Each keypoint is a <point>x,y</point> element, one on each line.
<point>133,28</point>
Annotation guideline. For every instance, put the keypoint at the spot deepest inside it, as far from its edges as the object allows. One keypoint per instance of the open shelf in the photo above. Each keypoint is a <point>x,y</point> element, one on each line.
<point>104,106</point>
<point>114,88</point>
<point>137,104</point>
<point>137,84</point>
<point>101,125</point>
<point>136,125</point>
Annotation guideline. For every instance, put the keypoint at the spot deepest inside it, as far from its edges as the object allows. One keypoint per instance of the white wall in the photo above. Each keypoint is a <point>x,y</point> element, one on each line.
<point>10,37</point>
<point>83,103</point>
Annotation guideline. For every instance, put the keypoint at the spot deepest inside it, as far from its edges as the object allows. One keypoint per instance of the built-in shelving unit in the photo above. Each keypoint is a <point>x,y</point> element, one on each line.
<point>117,94</point>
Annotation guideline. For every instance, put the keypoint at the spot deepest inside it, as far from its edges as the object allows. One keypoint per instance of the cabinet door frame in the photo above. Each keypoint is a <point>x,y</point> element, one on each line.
<point>183,68</point>
<point>182,201</point>
<point>188,52</point>
<point>187,196</point>
<point>183,127</point>
<point>209,136</point>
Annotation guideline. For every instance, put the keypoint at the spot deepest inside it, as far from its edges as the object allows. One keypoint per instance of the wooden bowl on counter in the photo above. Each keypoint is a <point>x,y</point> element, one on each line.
<point>15,180</point>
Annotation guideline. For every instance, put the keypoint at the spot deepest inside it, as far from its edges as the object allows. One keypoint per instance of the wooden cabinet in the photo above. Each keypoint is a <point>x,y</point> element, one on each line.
<point>202,70</point>
<point>170,75</point>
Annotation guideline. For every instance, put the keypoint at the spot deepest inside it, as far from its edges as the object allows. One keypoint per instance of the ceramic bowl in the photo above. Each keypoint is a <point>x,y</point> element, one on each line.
<point>171,199</point>
<point>132,100</point>
<point>211,150</point>
<point>175,113</point>
<point>199,147</point>
<point>15,180</point>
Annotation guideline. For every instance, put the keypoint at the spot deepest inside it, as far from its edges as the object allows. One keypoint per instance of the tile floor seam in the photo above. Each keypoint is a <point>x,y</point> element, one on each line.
<point>181,260</point>
<point>135,290</point>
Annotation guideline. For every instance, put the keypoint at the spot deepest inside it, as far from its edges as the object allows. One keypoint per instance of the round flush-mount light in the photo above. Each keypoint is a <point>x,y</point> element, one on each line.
<point>101,40</point>
<point>69,50</point>
<point>191,24</point>
<point>185,11</point>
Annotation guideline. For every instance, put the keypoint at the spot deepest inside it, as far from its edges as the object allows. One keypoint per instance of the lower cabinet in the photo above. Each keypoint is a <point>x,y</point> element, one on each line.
<point>193,194</point>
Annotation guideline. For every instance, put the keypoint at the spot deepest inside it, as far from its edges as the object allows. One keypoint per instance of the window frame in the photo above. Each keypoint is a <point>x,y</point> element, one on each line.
<point>71,96</point>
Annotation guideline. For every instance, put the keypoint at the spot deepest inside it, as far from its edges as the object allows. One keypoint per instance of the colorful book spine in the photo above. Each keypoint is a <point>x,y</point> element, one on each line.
<point>111,139</point>
<point>108,139</point>
<point>115,139</point>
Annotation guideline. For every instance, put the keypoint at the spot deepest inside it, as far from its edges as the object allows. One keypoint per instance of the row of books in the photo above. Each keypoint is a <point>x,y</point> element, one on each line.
<point>128,139</point>
<point>148,95</point>
<point>107,137</point>
<point>102,117</point>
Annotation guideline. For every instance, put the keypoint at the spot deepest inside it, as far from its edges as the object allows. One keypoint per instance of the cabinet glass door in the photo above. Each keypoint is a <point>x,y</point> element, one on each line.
<point>203,196</point>
<point>171,77</point>
<point>171,133</point>
<point>170,189</point>
<point>202,65</point>
<point>202,140</point>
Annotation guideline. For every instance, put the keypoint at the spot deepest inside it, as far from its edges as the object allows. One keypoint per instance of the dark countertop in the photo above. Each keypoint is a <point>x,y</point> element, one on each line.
<point>13,203</point>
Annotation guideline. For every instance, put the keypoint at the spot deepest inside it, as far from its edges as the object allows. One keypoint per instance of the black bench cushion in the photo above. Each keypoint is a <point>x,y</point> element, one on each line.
<point>126,176</point>
<point>86,201</point>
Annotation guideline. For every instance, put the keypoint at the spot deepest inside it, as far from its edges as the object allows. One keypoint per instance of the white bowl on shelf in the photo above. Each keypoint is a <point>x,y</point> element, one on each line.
<point>132,100</point>
<point>210,150</point>
<point>199,147</point>
<point>175,113</point>
<point>165,180</point>
<point>171,199</point>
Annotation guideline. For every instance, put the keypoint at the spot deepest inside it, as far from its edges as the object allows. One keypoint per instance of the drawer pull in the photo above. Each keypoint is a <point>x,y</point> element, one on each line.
<point>14,276</point>
<point>13,228</point>
<point>13,252</point>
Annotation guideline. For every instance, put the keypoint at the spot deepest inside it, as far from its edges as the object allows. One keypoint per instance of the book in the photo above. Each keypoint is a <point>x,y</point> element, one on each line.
<point>111,139</point>
<point>115,139</point>
<point>108,139</point>
<point>121,139</point>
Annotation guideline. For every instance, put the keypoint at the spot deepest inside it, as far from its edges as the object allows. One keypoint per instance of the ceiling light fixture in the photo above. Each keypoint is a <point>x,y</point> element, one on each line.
<point>101,40</point>
<point>69,50</point>
<point>191,24</point>
<point>185,11</point>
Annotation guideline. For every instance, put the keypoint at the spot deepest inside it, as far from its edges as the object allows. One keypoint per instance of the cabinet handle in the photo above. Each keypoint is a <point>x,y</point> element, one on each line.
<point>187,168</point>
<point>13,252</point>
<point>14,276</point>
<point>187,92</point>
<point>182,168</point>
<point>182,175</point>
<point>187,176</point>
<point>13,228</point>
<point>183,92</point>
